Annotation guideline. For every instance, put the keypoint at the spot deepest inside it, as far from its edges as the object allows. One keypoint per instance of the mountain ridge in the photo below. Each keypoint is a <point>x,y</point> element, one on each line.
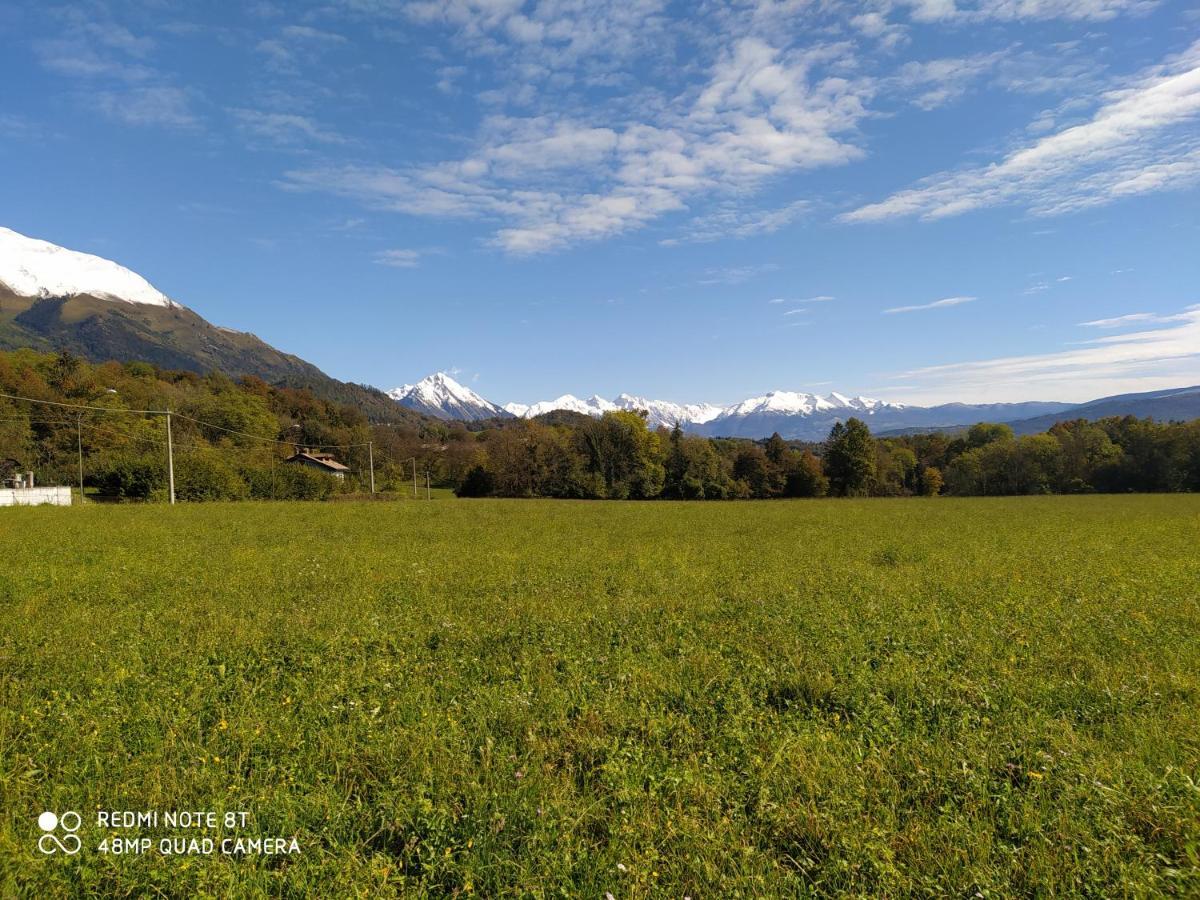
<point>803,416</point>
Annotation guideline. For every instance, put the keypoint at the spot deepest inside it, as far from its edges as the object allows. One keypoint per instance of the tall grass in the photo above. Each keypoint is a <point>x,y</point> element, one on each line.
<point>511,698</point>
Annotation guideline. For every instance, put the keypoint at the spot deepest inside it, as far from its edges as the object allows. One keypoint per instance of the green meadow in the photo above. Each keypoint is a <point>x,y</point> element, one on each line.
<point>971,698</point>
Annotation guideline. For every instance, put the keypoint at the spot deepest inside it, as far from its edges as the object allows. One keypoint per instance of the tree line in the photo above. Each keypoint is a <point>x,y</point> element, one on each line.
<point>232,437</point>
<point>618,457</point>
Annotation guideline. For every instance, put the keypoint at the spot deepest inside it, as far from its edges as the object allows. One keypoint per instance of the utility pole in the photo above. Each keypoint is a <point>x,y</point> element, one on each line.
<point>79,439</point>
<point>170,460</point>
<point>414,462</point>
<point>371,458</point>
<point>427,497</point>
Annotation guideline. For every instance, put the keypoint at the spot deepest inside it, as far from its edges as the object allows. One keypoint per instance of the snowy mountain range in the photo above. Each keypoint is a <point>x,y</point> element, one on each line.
<point>795,415</point>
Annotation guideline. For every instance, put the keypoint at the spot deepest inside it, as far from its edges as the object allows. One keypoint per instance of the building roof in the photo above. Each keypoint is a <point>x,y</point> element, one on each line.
<point>324,460</point>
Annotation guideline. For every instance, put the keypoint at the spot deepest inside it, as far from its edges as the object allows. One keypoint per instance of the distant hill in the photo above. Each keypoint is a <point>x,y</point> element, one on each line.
<point>1173,404</point>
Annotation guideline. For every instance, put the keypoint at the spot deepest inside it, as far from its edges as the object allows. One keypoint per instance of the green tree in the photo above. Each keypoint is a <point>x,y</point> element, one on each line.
<point>804,477</point>
<point>752,468</point>
<point>477,483</point>
<point>895,469</point>
<point>850,459</point>
<point>207,474</point>
<point>776,449</point>
<point>985,433</point>
<point>1038,464</point>
<point>625,454</point>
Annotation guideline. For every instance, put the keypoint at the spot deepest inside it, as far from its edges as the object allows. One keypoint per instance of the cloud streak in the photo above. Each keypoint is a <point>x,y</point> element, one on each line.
<point>1142,138</point>
<point>406,257</point>
<point>1141,360</point>
<point>284,128</point>
<point>936,304</point>
<point>1133,319</point>
<point>731,222</point>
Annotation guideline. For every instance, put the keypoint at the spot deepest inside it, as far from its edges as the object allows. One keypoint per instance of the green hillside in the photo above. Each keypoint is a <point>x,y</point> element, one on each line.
<point>171,338</point>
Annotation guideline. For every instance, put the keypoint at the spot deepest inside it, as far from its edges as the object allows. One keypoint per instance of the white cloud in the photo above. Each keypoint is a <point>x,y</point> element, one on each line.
<point>554,182</point>
<point>79,61</point>
<point>304,33</point>
<point>164,106</point>
<point>1142,138</point>
<point>1018,10</point>
<point>1132,319</point>
<point>405,258</point>
<point>553,33</point>
<point>936,304</point>
<point>1139,361</point>
<point>284,128</point>
<point>730,221</point>
<point>97,51</point>
<point>875,24</point>
<point>736,274</point>
<point>936,82</point>
<point>19,128</point>
<point>295,44</point>
<point>824,298</point>
<point>448,77</point>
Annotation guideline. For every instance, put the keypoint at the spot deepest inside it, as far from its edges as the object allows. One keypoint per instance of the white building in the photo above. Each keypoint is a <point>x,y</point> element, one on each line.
<point>19,490</point>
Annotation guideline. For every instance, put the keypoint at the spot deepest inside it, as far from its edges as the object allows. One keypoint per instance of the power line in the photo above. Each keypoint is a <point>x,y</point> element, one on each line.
<point>259,437</point>
<point>144,412</point>
<point>163,412</point>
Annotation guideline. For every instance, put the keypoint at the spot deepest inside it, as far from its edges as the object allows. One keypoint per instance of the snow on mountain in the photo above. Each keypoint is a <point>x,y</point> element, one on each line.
<point>441,396</point>
<point>33,268</point>
<point>780,402</point>
<point>783,411</point>
<point>592,406</point>
<point>796,416</point>
<point>666,413</point>
<point>659,412</point>
<point>793,414</point>
<point>791,403</point>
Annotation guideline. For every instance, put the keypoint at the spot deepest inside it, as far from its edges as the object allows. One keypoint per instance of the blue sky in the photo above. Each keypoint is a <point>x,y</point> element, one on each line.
<point>920,200</point>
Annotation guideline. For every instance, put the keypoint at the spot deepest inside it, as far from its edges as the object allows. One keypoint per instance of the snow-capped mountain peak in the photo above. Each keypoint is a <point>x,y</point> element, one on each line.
<point>33,268</point>
<point>441,396</point>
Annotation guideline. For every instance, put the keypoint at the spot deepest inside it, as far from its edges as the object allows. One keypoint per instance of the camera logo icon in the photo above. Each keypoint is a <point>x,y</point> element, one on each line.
<point>50,842</point>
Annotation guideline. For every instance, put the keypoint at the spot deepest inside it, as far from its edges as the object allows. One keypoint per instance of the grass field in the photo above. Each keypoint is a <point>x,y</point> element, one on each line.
<point>876,698</point>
